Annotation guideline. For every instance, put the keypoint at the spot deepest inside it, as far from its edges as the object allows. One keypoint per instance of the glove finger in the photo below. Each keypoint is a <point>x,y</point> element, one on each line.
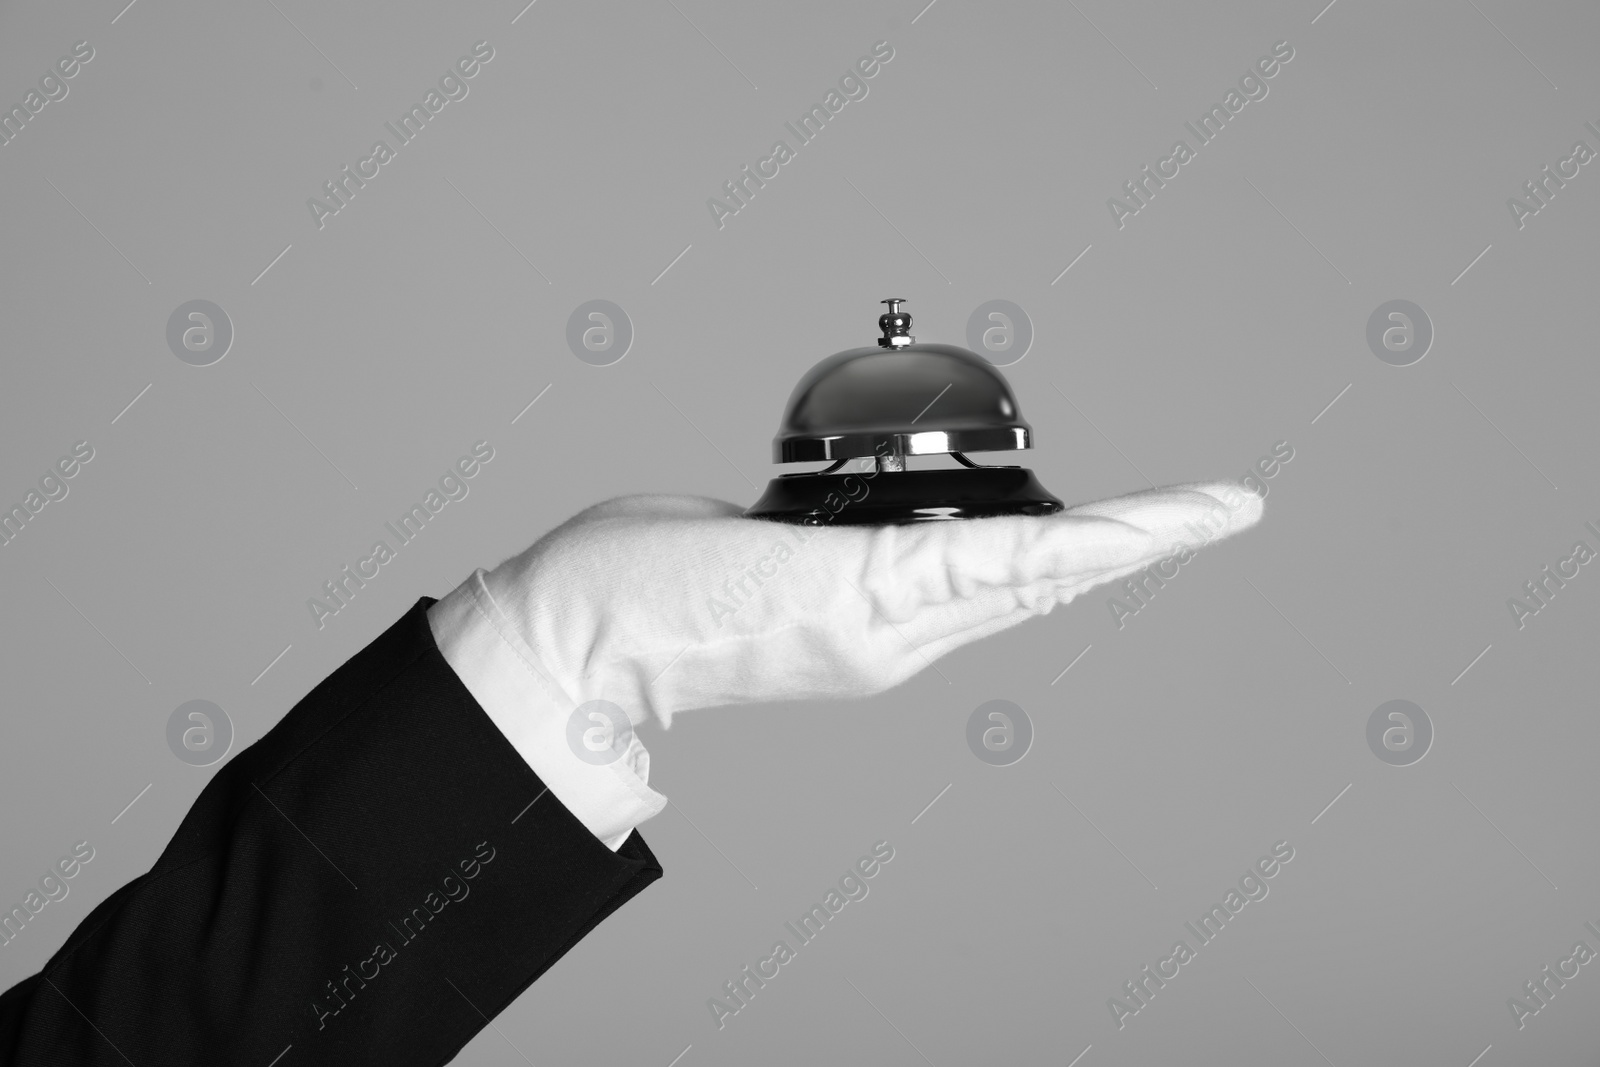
<point>911,568</point>
<point>660,506</point>
<point>1179,515</point>
<point>942,628</point>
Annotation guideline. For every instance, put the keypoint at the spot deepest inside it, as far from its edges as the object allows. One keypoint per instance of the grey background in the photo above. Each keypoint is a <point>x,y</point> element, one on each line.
<point>1221,319</point>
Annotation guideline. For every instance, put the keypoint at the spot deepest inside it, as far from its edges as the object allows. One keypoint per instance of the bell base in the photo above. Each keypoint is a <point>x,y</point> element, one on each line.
<point>892,498</point>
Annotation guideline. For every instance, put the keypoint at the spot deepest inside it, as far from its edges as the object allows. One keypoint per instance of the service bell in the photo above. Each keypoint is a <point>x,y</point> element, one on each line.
<point>883,404</point>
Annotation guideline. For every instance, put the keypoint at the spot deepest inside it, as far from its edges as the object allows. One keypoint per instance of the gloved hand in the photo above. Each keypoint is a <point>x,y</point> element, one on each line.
<point>661,604</point>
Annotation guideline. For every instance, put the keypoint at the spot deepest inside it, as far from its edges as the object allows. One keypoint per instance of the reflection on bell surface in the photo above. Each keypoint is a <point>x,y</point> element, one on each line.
<point>882,405</point>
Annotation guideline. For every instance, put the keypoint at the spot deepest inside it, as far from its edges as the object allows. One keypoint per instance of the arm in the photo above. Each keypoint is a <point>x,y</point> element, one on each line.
<point>367,883</point>
<point>384,871</point>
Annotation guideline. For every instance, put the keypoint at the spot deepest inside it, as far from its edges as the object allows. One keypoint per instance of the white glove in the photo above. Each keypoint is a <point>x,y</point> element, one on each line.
<point>661,604</point>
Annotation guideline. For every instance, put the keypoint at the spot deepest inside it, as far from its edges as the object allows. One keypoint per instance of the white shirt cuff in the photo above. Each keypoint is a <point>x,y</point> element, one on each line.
<point>507,680</point>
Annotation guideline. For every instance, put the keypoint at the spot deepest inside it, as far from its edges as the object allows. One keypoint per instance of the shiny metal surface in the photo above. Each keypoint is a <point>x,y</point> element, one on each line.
<point>898,498</point>
<point>918,399</point>
<point>895,324</point>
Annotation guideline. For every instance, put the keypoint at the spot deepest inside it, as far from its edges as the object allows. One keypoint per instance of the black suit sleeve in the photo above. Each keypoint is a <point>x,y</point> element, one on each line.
<point>371,882</point>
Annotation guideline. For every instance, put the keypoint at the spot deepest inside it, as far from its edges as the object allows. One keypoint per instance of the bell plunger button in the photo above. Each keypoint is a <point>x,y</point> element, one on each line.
<point>895,324</point>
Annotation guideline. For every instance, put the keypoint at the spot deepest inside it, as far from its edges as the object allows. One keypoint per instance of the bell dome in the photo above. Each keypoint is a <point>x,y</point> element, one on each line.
<point>886,403</point>
<point>911,400</point>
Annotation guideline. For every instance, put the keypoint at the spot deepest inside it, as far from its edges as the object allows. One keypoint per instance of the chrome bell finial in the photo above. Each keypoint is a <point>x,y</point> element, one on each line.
<point>895,324</point>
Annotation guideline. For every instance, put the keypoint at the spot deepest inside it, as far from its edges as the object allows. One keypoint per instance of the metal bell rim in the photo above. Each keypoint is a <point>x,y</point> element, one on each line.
<point>803,449</point>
